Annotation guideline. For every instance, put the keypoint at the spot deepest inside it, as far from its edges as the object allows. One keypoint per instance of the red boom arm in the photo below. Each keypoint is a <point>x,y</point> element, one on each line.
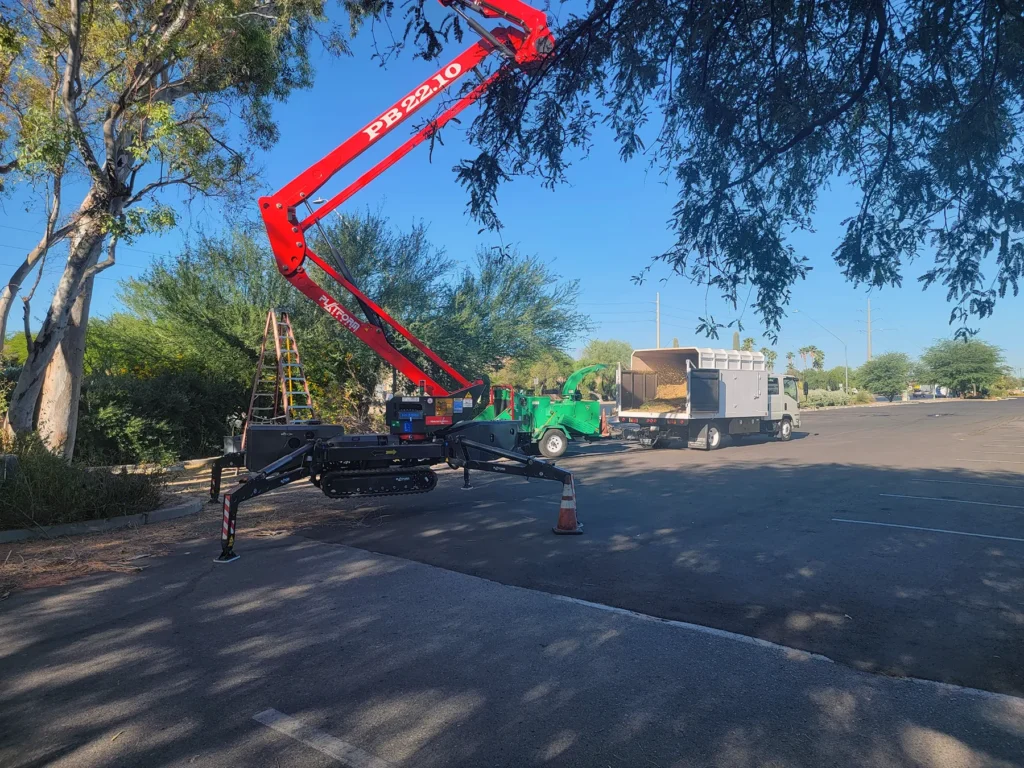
<point>524,46</point>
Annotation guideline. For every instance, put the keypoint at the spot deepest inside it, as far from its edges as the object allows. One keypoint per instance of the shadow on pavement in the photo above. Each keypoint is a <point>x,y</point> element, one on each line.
<point>752,549</point>
<point>431,669</point>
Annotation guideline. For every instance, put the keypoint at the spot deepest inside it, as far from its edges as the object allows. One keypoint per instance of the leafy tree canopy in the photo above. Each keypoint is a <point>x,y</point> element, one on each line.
<point>964,366</point>
<point>546,371</point>
<point>205,310</point>
<point>887,375</point>
<point>610,353</point>
<point>753,110</point>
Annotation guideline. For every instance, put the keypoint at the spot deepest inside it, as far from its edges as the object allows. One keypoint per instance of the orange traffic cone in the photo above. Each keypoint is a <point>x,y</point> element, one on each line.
<point>567,522</point>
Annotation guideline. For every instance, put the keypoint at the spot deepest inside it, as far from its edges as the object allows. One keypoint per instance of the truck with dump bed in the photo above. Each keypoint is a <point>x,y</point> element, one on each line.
<point>700,395</point>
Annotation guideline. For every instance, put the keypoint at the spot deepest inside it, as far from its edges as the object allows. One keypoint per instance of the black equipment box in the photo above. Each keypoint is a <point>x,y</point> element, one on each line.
<point>267,443</point>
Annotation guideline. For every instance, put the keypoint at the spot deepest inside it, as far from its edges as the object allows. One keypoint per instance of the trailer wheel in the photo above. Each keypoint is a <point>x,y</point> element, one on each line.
<point>785,431</point>
<point>553,444</point>
<point>714,437</point>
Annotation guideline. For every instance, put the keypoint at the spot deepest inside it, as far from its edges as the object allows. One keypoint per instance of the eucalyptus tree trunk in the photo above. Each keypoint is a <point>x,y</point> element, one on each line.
<point>85,248</point>
<point>57,422</point>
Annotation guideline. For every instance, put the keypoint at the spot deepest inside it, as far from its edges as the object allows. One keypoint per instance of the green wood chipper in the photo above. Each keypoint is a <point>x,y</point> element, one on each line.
<point>552,420</point>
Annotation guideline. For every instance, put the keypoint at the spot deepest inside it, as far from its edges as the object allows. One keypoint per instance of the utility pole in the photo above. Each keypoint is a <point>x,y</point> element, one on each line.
<point>869,329</point>
<point>657,319</point>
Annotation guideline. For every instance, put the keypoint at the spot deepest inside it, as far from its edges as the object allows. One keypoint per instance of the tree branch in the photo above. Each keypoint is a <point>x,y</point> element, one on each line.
<point>95,269</point>
<point>154,185</point>
<point>70,92</point>
<point>28,305</point>
<point>869,76</point>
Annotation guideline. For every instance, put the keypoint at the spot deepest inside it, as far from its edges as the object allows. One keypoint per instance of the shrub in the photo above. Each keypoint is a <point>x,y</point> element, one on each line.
<point>10,369</point>
<point>863,397</point>
<point>165,418</point>
<point>47,490</point>
<point>822,397</point>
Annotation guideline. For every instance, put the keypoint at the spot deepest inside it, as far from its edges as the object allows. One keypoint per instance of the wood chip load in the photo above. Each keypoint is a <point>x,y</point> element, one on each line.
<point>671,394</point>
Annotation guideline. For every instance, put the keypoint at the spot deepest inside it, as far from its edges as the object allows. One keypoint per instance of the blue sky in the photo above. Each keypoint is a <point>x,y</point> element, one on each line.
<point>601,228</point>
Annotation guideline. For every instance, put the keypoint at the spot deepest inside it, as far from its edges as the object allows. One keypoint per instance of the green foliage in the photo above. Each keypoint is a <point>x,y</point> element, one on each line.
<point>833,379</point>
<point>823,398</point>
<point>15,347</point>
<point>888,375</point>
<point>125,419</point>
<point>191,334</point>
<point>47,490</point>
<point>753,111</point>
<point>770,356</point>
<point>748,344</point>
<point>505,306</point>
<point>10,370</point>
<point>544,373</point>
<point>863,397</point>
<point>966,367</point>
<point>610,353</point>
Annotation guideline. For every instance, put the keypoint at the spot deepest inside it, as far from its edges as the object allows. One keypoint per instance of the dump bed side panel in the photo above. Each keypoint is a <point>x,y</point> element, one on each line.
<point>636,388</point>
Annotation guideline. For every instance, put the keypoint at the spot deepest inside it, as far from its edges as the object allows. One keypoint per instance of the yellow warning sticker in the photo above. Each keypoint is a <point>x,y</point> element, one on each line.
<point>442,406</point>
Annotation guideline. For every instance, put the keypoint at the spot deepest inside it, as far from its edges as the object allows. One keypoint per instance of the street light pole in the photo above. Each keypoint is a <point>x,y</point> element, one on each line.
<point>846,359</point>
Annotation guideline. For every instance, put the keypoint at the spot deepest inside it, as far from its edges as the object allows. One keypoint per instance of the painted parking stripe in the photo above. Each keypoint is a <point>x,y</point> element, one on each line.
<point>931,530</point>
<point>342,751</point>
<point>965,482</point>
<point>950,501</point>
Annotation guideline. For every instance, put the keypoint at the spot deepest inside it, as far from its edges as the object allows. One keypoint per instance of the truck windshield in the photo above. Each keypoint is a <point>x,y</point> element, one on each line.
<point>789,386</point>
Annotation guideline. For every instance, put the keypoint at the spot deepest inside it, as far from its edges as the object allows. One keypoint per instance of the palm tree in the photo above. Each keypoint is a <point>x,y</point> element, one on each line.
<point>804,352</point>
<point>817,359</point>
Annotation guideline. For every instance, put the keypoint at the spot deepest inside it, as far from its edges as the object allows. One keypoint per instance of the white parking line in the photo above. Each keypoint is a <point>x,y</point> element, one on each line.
<point>964,482</point>
<point>931,530</point>
<point>342,751</point>
<point>951,501</point>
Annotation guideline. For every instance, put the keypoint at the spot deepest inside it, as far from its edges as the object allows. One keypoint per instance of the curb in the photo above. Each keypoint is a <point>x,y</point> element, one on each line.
<point>145,469</point>
<point>191,507</point>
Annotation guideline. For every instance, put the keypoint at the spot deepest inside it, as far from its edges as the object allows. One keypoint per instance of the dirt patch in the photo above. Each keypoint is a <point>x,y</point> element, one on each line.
<point>51,562</point>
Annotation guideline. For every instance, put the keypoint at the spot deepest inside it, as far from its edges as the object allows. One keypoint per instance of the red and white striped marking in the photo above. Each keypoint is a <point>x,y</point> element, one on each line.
<point>227,529</point>
<point>569,495</point>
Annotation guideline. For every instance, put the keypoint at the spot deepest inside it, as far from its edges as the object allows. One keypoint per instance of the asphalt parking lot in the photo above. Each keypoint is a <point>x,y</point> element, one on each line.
<point>887,539</point>
<point>890,539</point>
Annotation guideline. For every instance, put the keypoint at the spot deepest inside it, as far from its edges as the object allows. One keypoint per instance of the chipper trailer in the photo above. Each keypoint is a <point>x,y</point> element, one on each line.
<point>436,425</point>
<point>699,395</point>
<point>549,423</point>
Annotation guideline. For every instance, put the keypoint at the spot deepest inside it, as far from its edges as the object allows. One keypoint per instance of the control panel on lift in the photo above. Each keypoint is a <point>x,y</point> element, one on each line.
<point>424,415</point>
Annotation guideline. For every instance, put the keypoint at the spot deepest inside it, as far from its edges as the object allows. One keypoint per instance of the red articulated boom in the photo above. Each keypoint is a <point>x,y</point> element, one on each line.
<point>436,427</point>
<point>524,45</point>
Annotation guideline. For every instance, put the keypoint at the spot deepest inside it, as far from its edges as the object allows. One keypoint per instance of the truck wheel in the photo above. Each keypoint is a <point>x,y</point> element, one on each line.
<point>785,431</point>
<point>553,444</point>
<point>714,437</point>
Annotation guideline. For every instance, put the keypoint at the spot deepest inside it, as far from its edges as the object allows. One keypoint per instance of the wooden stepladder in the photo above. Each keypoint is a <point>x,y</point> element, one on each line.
<point>280,391</point>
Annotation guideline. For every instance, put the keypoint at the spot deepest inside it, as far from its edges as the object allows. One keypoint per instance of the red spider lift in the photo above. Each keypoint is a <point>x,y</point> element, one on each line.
<point>435,426</point>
